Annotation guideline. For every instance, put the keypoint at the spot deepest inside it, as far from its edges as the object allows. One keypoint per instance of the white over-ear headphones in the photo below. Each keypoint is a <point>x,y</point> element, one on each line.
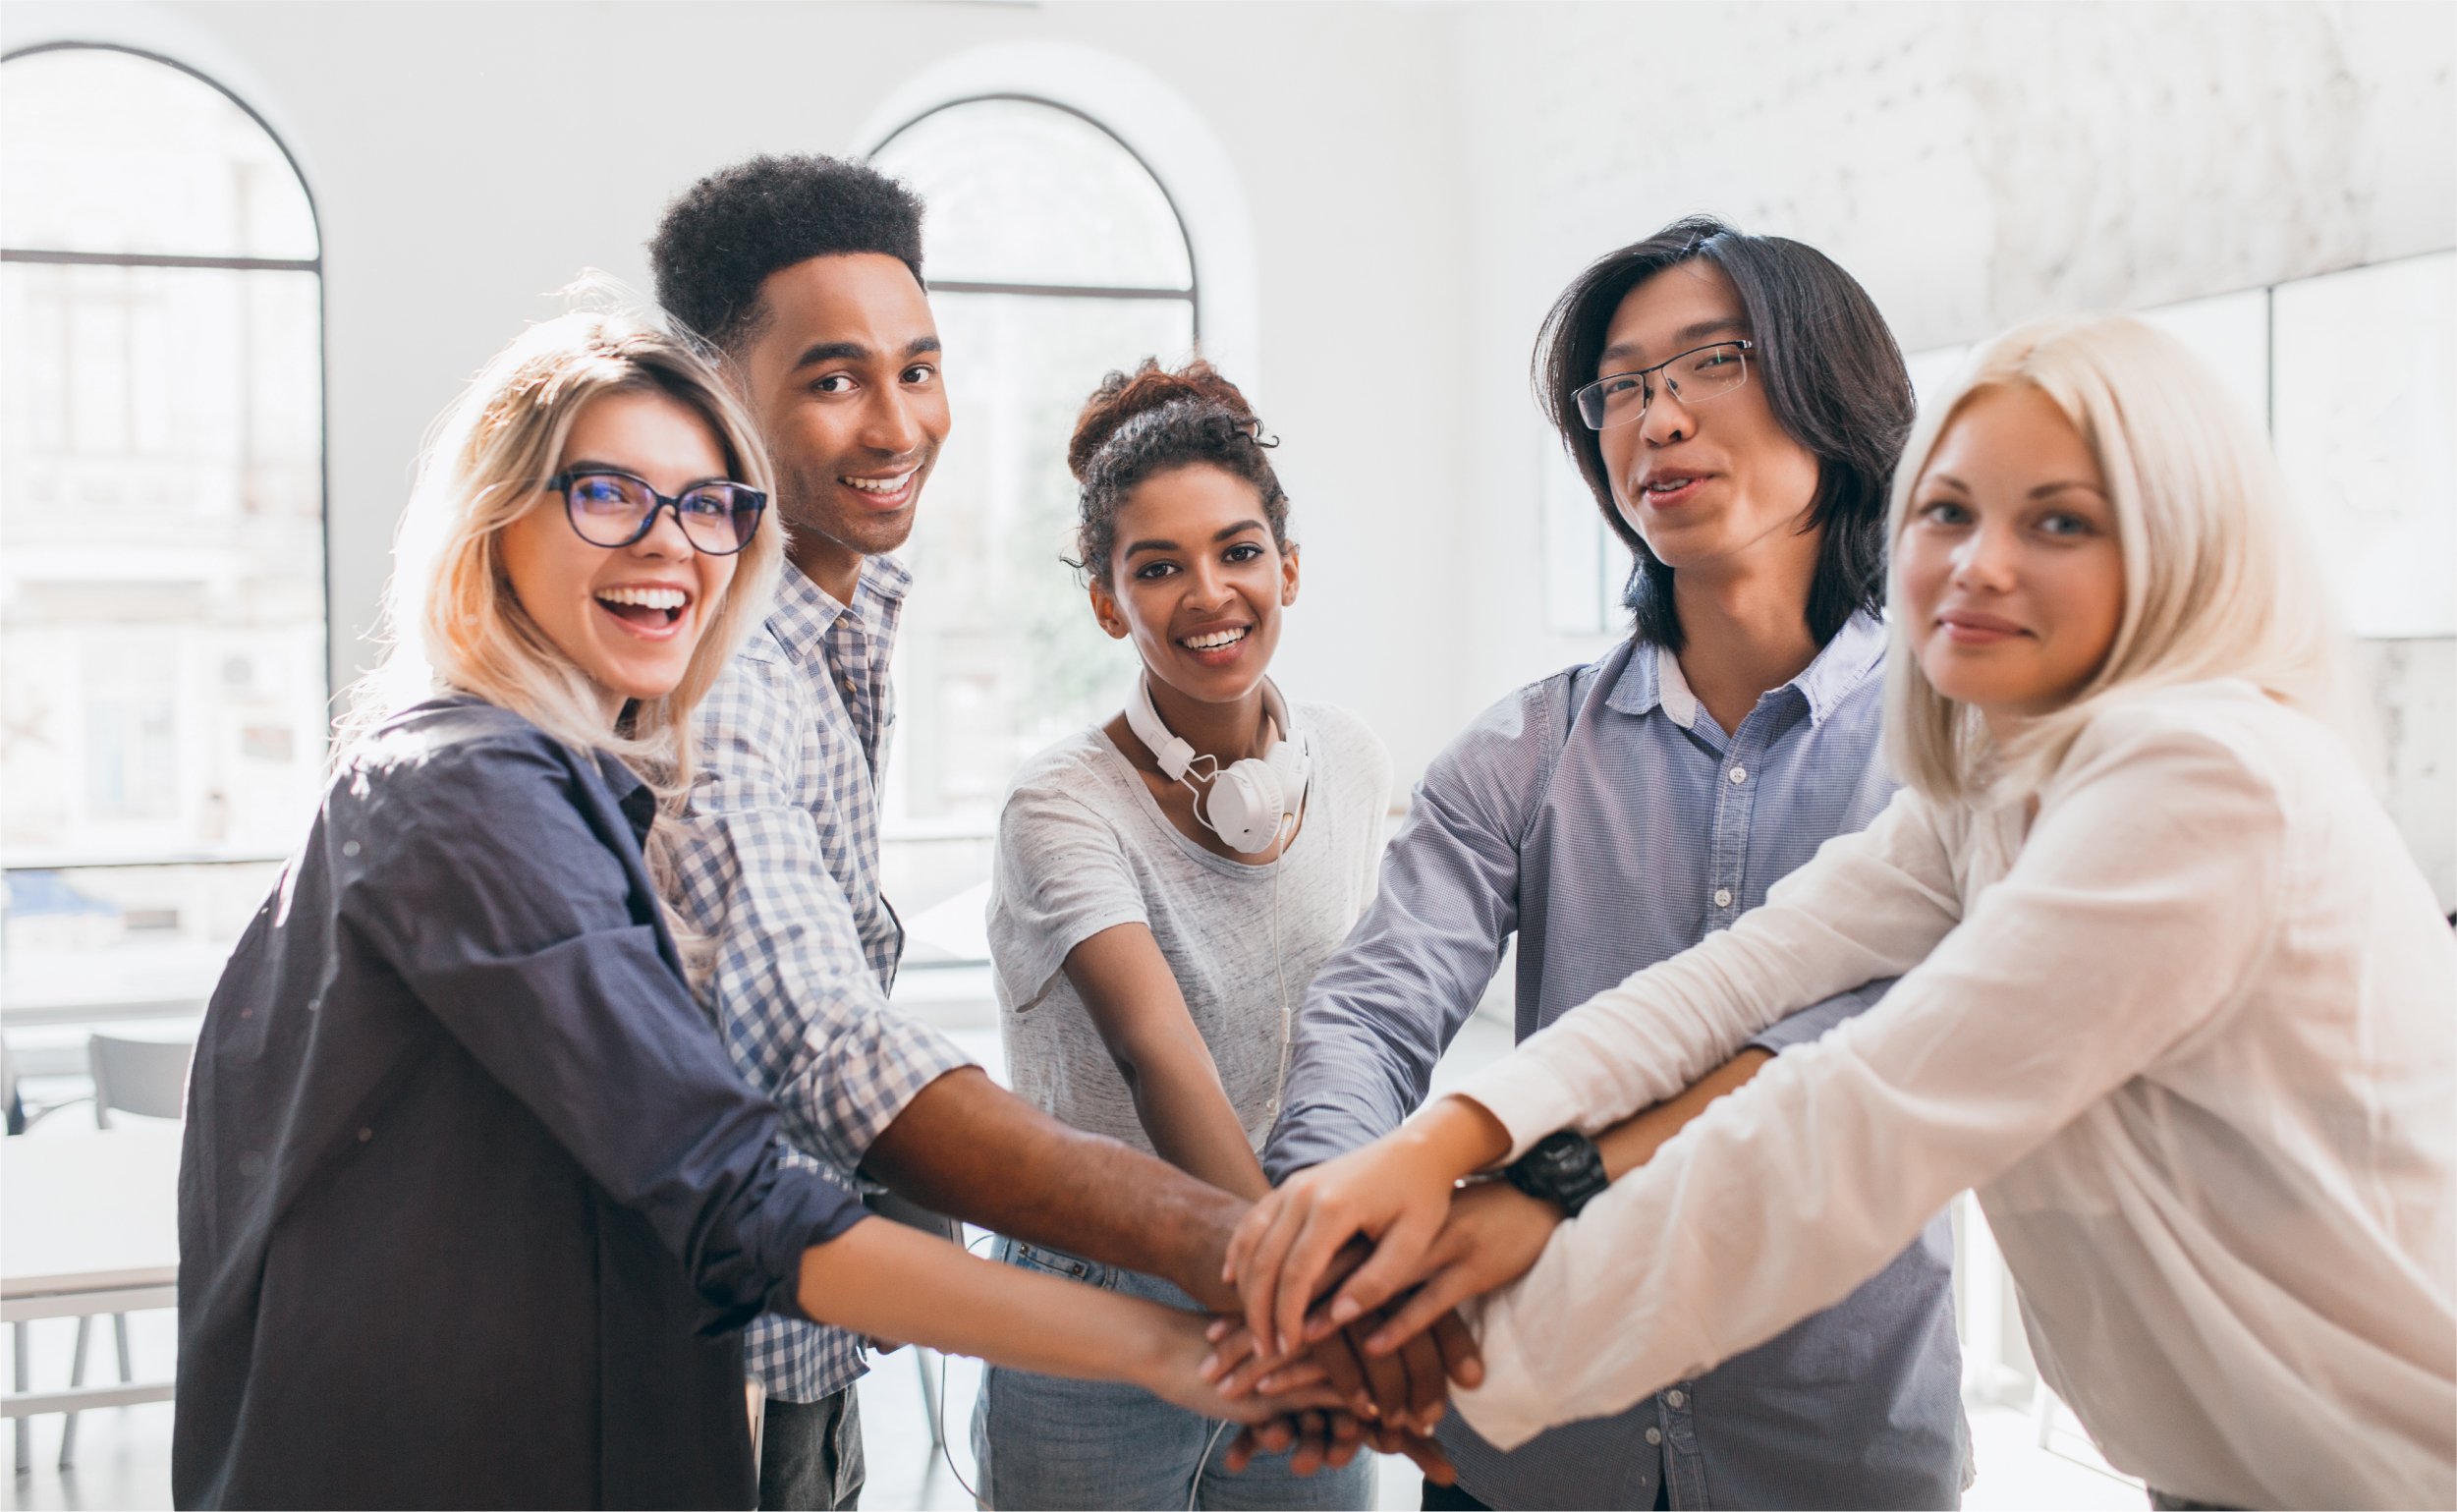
<point>1249,801</point>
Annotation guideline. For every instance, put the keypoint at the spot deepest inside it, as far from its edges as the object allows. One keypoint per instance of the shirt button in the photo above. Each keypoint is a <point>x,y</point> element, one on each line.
<point>1724,897</point>
<point>350,848</point>
<point>1740,775</point>
<point>1654,1436</point>
<point>1675,1398</point>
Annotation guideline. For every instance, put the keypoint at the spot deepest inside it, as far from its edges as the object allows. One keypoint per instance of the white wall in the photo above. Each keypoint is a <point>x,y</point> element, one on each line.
<point>1973,166</point>
<point>1420,180</point>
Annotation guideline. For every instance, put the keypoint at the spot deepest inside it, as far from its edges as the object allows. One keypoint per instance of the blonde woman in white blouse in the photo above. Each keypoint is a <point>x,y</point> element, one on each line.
<point>2175,1001</point>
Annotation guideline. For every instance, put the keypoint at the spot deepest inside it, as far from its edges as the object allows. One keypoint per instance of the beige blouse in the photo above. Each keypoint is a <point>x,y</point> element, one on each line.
<point>2192,1040</point>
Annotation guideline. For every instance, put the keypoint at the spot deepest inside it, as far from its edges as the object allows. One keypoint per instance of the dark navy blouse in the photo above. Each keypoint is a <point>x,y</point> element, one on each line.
<point>472,1199</point>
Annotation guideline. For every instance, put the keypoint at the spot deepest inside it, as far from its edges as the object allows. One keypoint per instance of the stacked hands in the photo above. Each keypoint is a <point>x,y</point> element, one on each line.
<point>1404,1243</point>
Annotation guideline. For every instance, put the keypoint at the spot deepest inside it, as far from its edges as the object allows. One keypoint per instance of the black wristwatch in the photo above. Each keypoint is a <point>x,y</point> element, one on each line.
<point>1564,1169</point>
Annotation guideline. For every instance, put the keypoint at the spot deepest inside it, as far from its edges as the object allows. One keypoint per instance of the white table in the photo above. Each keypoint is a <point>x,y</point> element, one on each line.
<point>88,1224</point>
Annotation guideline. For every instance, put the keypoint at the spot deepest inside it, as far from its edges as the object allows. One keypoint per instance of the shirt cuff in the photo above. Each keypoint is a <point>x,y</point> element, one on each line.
<point>917,1057</point>
<point>1325,1121</point>
<point>1505,1409</point>
<point>1527,1096</point>
<point>810,1230</point>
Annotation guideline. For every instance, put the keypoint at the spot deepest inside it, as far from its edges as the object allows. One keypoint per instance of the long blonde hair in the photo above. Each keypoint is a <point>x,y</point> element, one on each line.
<point>2219,581</point>
<point>451,620</point>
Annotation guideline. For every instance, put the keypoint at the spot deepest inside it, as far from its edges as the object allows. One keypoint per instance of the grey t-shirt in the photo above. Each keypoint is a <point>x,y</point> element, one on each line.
<point>1084,847</point>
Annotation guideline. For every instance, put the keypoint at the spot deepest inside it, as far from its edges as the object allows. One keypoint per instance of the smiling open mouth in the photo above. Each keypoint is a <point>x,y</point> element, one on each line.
<point>882,486</point>
<point>1215,640</point>
<point>651,608</point>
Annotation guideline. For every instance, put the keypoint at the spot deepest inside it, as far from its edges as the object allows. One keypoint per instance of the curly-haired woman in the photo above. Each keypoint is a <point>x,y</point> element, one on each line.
<point>1165,885</point>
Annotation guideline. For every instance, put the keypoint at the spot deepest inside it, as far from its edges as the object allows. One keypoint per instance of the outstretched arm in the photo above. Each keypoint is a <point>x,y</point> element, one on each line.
<point>1496,1231</point>
<point>970,1149</point>
<point>2140,904</point>
<point>886,1280</point>
<point>1380,1012</point>
<point>1134,1001</point>
<point>1638,1045</point>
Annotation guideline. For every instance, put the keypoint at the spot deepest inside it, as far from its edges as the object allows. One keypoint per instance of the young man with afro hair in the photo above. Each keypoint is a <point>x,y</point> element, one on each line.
<point>805,272</point>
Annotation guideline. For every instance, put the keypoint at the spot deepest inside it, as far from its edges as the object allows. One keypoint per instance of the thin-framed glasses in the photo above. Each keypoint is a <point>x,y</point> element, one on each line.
<point>1696,375</point>
<point>608,508</point>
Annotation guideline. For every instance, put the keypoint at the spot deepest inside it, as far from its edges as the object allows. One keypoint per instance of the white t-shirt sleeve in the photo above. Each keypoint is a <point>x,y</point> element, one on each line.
<point>1060,876</point>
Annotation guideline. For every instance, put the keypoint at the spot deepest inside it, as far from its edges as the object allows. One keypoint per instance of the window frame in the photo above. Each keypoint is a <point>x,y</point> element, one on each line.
<point>314,265</point>
<point>1192,293</point>
<point>905,829</point>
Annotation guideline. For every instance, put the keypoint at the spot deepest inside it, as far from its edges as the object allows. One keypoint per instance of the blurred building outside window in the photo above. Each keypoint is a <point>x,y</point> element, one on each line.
<point>1053,258</point>
<point>164,696</point>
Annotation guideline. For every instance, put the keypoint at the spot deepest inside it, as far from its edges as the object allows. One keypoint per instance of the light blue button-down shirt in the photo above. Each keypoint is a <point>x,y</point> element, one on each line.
<point>1603,817</point>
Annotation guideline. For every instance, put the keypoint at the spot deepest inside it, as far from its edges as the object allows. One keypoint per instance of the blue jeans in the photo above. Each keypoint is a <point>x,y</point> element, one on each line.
<point>1044,1442</point>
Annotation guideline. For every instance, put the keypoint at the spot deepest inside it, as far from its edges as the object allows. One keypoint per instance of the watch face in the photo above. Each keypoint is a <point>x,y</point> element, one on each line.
<point>1570,1169</point>
<point>1561,1154</point>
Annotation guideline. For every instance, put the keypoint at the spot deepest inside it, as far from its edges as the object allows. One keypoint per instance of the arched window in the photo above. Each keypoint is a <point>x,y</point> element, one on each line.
<point>1054,255</point>
<point>162,608</point>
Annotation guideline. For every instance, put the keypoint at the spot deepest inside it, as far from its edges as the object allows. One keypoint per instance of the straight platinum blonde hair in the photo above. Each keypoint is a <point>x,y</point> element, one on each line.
<point>2219,579</point>
<point>451,620</point>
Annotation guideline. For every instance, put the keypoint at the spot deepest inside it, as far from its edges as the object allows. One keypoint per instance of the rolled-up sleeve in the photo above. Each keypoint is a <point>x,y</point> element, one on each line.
<point>482,883</point>
<point>794,995</point>
<point>1380,1012</point>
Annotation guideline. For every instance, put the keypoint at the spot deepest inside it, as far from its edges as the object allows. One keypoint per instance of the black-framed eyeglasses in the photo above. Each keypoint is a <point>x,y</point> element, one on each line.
<point>610,508</point>
<point>1697,375</point>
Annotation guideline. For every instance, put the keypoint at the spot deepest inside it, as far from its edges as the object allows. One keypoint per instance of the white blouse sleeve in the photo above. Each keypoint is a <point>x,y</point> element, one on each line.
<point>2138,910</point>
<point>1868,905</point>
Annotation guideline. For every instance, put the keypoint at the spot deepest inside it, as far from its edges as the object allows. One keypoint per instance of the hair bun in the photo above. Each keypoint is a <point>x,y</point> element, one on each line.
<point>1122,396</point>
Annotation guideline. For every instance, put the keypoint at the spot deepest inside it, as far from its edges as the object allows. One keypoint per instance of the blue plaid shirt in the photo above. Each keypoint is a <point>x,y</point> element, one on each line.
<point>780,863</point>
<point>1603,817</point>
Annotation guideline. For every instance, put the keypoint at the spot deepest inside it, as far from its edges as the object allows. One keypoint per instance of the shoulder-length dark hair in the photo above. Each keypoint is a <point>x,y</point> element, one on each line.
<point>1834,379</point>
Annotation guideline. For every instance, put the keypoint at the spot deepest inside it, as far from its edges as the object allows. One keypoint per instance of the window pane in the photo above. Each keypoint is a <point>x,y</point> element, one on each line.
<point>998,654</point>
<point>2364,393</point>
<point>1024,192</point>
<point>112,937</point>
<point>161,562</point>
<point>104,151</point>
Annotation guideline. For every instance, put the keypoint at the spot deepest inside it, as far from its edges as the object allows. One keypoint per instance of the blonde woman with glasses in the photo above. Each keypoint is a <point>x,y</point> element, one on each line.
<point>2174,999</point>
<point>473,1202</point>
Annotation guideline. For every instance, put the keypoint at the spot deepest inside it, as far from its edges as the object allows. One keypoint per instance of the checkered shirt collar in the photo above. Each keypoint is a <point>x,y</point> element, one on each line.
<point>804,612</point>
